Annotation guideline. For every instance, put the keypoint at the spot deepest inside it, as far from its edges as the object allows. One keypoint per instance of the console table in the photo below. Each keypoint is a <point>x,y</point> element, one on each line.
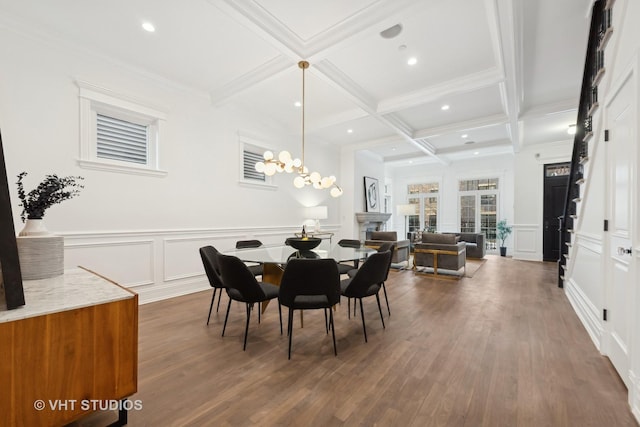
<point>75,341</point>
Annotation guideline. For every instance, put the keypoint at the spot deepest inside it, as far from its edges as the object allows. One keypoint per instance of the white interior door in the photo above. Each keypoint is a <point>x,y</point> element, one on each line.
<point>619,287</point>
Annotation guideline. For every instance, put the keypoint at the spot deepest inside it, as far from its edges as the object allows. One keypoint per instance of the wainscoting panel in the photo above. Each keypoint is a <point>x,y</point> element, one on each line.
<point>128,261</point>
<point>160,264</point>
<point>582,290</point>
<point>181,257</point>
<point>525,242</point>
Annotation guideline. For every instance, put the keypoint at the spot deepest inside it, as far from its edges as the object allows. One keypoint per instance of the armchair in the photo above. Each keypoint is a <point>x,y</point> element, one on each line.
<point>440,251</point>
<point>401,252</point>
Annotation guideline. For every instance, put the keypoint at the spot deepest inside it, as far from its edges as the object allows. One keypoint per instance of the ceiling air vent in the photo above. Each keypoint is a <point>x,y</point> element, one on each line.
<point>391,32</point>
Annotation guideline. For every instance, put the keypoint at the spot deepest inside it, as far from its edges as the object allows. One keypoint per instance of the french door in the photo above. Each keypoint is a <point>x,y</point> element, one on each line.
<point>427,217</point>
<point>479,214</point>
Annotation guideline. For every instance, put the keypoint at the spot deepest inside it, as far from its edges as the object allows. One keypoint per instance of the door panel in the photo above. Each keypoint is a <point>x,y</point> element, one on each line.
<point>619,284</point>
<point>555,192</point>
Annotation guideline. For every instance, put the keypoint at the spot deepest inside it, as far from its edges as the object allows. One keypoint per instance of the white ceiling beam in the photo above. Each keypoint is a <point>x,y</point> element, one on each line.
<point>460,85</point>
<point>264,72</point>
<point>505,20</point>
<point>498,119</point>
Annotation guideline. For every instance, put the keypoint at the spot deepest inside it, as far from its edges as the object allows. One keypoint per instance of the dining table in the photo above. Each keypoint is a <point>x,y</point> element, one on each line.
<point>274,258</point>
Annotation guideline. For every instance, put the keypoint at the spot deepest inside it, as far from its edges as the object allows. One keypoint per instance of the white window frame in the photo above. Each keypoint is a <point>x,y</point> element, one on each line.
<point>478,194</point>
<point>255,145</point>
<point>94,100</point>
<point>421,202</point>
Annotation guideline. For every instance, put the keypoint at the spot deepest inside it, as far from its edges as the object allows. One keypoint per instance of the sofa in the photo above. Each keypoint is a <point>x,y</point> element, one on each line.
<point>377,238</point>
<point>440,251</point>
<point>474,242</point>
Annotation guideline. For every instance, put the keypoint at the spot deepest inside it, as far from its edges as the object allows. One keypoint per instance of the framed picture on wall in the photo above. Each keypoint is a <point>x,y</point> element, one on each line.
<point>371,194</point>
<point>10,275</point>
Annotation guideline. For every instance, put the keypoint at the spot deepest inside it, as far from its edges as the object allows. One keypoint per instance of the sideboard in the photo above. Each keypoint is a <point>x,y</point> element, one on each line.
<point>74,343</point>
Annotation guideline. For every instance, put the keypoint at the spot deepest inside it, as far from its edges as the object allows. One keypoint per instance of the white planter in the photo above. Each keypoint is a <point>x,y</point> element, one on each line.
<point>41,253</point>
<point>34,227</point>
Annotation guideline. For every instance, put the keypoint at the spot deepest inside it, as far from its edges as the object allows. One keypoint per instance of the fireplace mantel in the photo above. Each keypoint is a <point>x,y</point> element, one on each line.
<point>371,221</point>
<point>364,217</point>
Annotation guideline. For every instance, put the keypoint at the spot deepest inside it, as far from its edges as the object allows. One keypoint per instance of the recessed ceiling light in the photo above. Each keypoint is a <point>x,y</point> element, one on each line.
<point>297,104</point>
<point>412,61</point>
<point>393,148</point>
<point>571,130</point>
<point>444,107</point>
<point>148,26</point>
<point>475,153</point>
<point>349,130</point>
<point>465,136</point>
<point>402,47</point>
<point>391,32</point>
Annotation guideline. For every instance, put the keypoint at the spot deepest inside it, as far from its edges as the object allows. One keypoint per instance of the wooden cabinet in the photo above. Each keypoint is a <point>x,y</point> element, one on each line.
<point>75,342</point>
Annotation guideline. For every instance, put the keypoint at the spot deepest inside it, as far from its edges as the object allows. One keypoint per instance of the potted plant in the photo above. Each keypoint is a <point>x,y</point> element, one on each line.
<point>52,190</point>
<point>502,232</point>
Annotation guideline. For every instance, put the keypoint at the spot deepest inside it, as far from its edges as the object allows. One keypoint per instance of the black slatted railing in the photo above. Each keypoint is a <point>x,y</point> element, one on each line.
<point>599,33</point>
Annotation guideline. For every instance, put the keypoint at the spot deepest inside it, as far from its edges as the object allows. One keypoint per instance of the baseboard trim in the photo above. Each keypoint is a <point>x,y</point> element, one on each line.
<point>586,311</point>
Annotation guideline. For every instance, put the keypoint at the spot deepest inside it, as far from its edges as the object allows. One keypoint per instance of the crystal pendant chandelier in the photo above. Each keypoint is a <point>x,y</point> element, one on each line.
<point>285,163</point>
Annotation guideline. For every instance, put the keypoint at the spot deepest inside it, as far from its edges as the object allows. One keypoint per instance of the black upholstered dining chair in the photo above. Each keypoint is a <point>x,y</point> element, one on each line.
<point>386,276</point>
<point>242,286</point>
<point>367,282</point>
<point>310,284</point>
<point>209,256</point>
<point>348,243</point>
<point>256,269</point>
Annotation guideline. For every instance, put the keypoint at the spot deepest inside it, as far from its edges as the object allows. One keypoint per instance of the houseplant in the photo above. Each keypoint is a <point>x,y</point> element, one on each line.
<point>51,191</point>
<point>502,232</point>
<point>41,253</point>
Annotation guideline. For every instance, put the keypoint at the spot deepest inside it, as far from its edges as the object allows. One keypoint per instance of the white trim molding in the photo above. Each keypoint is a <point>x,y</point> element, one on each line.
<point>525,242</point>
<point>161,264</point>
<point>95,100</point>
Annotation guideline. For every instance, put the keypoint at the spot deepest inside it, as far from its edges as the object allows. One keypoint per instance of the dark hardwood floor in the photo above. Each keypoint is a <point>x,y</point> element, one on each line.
<point>503,348</point>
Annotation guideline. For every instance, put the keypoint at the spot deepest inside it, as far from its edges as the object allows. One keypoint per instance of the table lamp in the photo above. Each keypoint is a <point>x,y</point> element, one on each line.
<point>317,213</point>
<point>406,210</point>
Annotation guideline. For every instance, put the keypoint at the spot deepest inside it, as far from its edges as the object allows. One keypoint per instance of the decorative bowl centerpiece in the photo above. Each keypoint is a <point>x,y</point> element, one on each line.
<point>303,243</point>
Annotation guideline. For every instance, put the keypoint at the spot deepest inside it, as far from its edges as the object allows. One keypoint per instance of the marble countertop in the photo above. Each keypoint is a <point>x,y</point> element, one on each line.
<point>74,289</point>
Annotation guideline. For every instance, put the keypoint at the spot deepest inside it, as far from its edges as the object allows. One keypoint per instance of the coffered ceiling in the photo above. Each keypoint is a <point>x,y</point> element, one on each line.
<point>509,70</point>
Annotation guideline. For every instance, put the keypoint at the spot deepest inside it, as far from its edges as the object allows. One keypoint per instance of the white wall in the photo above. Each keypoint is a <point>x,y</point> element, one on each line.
<point>448,177</point>
<point>529,195</point>
<point>139,230</point>
<point>587,281</point>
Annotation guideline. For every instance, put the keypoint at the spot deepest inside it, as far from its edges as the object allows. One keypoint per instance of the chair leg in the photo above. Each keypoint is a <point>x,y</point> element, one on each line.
<point>246,328</point>
<point>226,317</point>
<point>326,321</point>
<point>384,288</point>
<point>380,310</point>
<point>212,300</point>
<point>349,308</point>
<point>280,315</point>
<point>219,299</point>
<point>333,332</point>
<point>290,330</point>
<point>364,327</point>
<point>259,311</point>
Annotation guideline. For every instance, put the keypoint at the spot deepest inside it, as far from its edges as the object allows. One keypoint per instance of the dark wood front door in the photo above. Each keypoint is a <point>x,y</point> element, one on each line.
<point>556,180</point>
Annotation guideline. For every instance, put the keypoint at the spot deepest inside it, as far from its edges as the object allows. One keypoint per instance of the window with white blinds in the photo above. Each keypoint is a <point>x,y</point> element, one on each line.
<point>121,140</point>
<point>249,160</point>
<point>119,133</point>
<point>251,149</point>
